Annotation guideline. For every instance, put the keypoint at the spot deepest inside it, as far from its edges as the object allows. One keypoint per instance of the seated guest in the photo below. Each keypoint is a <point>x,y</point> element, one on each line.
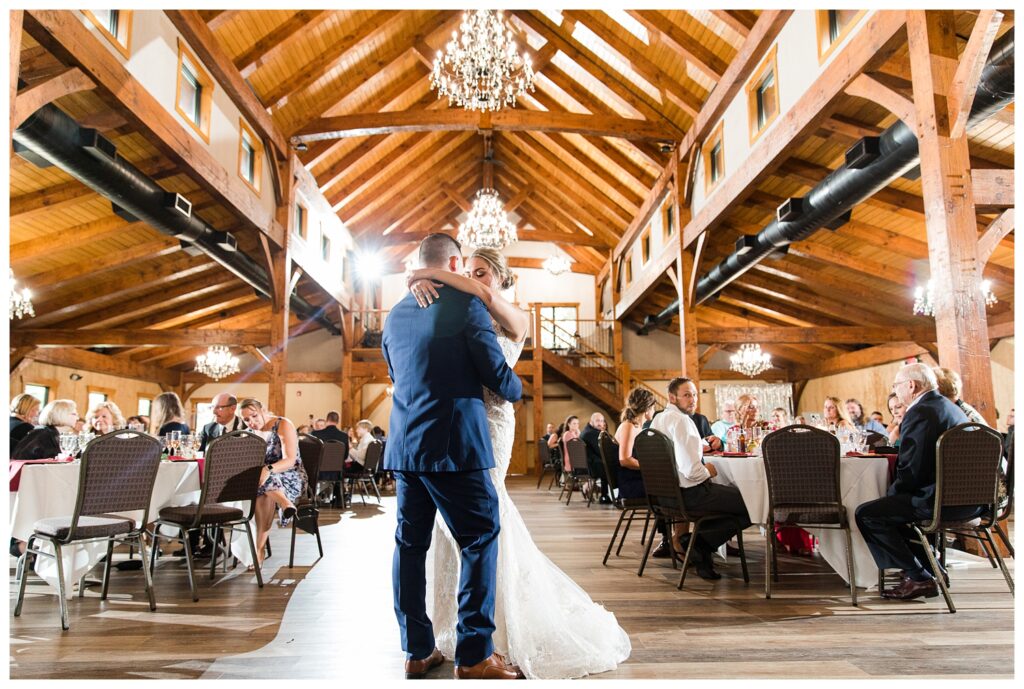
<point>224,419</point>
<point>57,418</point>
<point>639,409</point>
<point>728,420</point>
<point>855,410</point>
<point>24,417</point>
<point>800,419</point>
<point>779,418</point>
<point>591,437</point>
<point>950,386</point>
<point>304,429</point>
<point>699,493</point>
<point>104,417</point>
<point>897,409</point>
<point>712,443</point>
<point>283,478</point>
<point>748,411</point>
<point>572,430</point>
<point>877,416</point>
<point>1008,437</point>
<point>320,424</point>
<point>168,415</point>
<point>357,455</point>
<point>911,497</point>
<point>834,416</point>
<point>554,441</point>
<point>330,431</point>
<point>137,423</point>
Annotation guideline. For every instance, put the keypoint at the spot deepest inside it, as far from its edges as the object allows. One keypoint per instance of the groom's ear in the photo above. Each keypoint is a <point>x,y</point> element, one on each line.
<point>454,264</point>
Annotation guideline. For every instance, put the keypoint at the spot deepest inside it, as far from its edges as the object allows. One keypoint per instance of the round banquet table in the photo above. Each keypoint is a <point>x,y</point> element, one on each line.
<point>861,479</point>
<point>50,490</point>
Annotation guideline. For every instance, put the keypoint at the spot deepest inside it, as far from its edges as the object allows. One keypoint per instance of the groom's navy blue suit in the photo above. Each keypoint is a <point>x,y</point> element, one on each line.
<point>440,358</point>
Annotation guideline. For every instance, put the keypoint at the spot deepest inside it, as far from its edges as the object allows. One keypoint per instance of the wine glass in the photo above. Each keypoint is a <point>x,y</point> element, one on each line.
<point>68,444</point>
<point>173,442</point>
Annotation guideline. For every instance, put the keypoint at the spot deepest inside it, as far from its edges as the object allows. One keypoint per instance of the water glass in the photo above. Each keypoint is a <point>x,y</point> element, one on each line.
<point>68,444</point>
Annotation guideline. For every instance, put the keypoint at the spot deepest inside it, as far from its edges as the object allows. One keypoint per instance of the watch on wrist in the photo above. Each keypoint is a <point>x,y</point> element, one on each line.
<point>270,468</point>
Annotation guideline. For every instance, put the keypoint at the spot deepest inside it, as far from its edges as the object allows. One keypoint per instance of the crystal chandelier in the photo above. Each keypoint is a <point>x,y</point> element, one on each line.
<point>217,362</point>
<point>750,360</point>
<point>21,301</point>
<point>556,265</point>
<point>924,298</point>
<point>488,225</point>
<point>480,69</point>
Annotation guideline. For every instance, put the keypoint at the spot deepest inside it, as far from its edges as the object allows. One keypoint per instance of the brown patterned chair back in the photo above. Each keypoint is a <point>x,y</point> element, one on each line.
<point>373,453</point>
<point>117,474</point>
<point>1007,505</point>
<point>577,456</point>
<point>333,458</point>
<point>232,472</point>
<point>543,453</point>
<point>656,455</point>
<point>610,458</point>
<point>311,449</point>
<point>802,467</point>
<point>967,467</point>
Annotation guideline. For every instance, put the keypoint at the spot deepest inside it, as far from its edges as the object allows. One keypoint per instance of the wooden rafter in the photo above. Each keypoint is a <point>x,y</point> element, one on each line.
<point>52,337</point>
<point>693,51</point>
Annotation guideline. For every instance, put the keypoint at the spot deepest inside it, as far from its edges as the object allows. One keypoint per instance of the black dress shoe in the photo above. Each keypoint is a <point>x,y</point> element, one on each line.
<point>605,500</point>
<point>908,589</point>
<point>706,571</point>
<point>662,551</point>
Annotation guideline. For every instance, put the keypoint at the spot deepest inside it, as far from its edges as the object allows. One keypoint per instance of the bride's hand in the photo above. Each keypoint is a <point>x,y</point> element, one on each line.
<point>425,291</point>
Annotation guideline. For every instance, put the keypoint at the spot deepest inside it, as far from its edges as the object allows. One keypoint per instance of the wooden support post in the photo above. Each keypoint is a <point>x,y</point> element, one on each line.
<point>689,360</point>
<point>538,382</point>
<point>281,270</point>
<point>951,222</point>
<point>346,391</point>
<point>17,17</point>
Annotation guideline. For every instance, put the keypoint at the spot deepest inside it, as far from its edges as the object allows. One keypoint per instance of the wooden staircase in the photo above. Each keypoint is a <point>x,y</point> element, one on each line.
<point>599,385</point>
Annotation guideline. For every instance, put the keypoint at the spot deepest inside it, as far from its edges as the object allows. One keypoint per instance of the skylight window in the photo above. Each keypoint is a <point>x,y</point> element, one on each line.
<point>629,24</point>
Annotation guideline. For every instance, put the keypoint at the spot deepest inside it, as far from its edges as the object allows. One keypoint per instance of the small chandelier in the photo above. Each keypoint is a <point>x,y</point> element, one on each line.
<point>924,298</point>
<point>750,360</point>
<point>488,225</point>
<point>21,301</point>
<point>556,265</point>
<point>217,362</point>
<point>480,69</point>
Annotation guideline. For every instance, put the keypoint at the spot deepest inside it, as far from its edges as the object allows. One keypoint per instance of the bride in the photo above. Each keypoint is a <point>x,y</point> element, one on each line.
<point>545,623</point>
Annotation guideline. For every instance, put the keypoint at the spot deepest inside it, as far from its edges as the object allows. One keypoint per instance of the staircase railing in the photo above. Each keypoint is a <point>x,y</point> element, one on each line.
<point>660,398</point>
<point>590,347</point>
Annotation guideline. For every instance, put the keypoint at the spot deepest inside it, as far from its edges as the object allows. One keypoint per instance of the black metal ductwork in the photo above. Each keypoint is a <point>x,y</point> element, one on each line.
<point>870,166</point>
<point>51,137</point>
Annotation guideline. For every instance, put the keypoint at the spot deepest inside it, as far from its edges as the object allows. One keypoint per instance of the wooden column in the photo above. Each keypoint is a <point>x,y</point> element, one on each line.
<point>280,278</point>
<point>537,383</point>
<point>685,273</point>
<point>17,16</point>
<point>960,319</point>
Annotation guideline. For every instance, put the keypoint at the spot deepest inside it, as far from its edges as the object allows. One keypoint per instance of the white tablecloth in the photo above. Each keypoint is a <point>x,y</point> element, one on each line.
<point>861,479</point>
<point>50,490</point>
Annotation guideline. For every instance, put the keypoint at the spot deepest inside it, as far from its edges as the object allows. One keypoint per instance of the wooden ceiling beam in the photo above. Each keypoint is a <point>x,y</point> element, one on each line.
<point>72,238</point>
<point>679,40</point>
<point>225,312</point>
<point>819,335</point>
<point>538,264</point>
<point>209,51</point>
<point>862,358</point>
<point>562,149</point>
<point>180,309</point>
<point>82,360</point>
<point>275,42</point>
<point>794,295</point>
<point>52,337</point>
<point>881,36</point>
<point>91,268</point>
<point>734,20</point>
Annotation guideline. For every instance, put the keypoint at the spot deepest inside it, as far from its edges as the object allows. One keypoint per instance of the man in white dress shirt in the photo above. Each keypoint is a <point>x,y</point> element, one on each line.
<point>224,419</point>
<point>699,493</point>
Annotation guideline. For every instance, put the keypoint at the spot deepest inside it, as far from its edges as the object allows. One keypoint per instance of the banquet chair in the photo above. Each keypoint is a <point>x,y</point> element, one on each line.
<point>545,462</point>
<point>117,474</point>
<point>307,507</point>
<point>967,461</point>
<point>1006,503</point>
<point>656,455</point>
<point>609,454</point>
<point>802,466</point>
<point>875,439</point>
<point>231,474</point>
<point>580,474</point>
<point>333,461</point>
<point>366,476</point>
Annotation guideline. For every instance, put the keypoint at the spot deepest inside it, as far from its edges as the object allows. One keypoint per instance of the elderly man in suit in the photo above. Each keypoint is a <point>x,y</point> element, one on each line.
<point>224,419</point>
<point>911,497</point>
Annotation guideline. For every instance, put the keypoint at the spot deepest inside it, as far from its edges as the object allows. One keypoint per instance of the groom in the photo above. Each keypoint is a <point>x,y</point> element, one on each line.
<point>440,359</point>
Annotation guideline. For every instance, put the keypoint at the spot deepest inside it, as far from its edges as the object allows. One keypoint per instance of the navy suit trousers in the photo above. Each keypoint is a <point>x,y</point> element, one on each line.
<point>469,506</point>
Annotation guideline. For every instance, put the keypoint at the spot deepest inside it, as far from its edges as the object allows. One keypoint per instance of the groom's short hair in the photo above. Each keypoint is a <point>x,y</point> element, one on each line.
<point>437,248</point>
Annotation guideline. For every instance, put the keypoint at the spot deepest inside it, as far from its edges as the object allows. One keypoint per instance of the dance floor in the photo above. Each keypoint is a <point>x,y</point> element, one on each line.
<point>333,618</point>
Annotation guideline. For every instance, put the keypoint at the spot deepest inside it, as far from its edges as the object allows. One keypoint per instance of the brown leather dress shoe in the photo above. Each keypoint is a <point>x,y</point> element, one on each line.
<point>908,589</point>
<point>417,669</point>
<point>494,667</point>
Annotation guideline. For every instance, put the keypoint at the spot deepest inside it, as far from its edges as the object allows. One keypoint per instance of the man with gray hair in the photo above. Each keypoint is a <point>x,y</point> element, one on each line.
<point>911,497</point>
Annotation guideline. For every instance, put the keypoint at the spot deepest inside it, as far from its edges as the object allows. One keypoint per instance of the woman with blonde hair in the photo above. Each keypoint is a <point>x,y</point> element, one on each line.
<point>950,387</point>
<point>57,418</point>
<point>283,478</point>
<point>833,413</point>
<point>104,417</point>
<point>748,412</point>
<point>168,415</point>
<point>24,417</point>
<point>779,418</point>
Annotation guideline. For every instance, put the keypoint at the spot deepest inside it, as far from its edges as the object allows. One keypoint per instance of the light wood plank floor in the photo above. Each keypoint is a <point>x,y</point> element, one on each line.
<point>333,617</point>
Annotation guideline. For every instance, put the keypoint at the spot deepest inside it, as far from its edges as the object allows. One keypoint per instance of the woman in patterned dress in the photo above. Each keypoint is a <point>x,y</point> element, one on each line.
<point>283,478</point>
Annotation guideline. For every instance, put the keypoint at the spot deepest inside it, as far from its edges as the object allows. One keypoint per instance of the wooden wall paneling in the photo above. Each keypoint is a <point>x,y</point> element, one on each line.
<point>99,363</point>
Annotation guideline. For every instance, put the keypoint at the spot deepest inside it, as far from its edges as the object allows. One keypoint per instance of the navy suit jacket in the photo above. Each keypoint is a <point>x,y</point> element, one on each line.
<point>440,358</point>
<point>924,422</point>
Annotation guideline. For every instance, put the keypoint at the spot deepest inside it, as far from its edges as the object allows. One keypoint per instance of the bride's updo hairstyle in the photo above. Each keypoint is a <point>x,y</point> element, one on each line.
<point>637,404</point>
<point>499,266</point>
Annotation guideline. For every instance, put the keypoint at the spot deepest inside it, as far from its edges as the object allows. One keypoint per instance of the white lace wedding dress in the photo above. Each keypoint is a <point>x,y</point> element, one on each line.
<point>544,622</point>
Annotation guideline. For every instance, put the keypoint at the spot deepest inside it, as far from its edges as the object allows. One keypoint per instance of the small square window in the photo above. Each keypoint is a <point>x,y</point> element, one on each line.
<point>40,392</point>
<point>645,247</point>
<point>713,155</point>
<point>145,406</point>
<point>763,95</point>
<point>250,156</point>
<point>96,398</point>
<point>115,26</point>
<point>668,219</point>
<point>194,98</point>
<point>325,246</point>
<point>300,220</point>
<point>628,267</point>
<point>833,26</point>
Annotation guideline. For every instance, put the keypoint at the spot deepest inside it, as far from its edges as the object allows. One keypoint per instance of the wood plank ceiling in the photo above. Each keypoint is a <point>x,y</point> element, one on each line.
<point>578,190</point>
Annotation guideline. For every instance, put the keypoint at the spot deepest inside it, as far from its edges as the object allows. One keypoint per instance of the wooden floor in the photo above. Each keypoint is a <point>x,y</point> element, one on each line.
<point>333,618</point>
